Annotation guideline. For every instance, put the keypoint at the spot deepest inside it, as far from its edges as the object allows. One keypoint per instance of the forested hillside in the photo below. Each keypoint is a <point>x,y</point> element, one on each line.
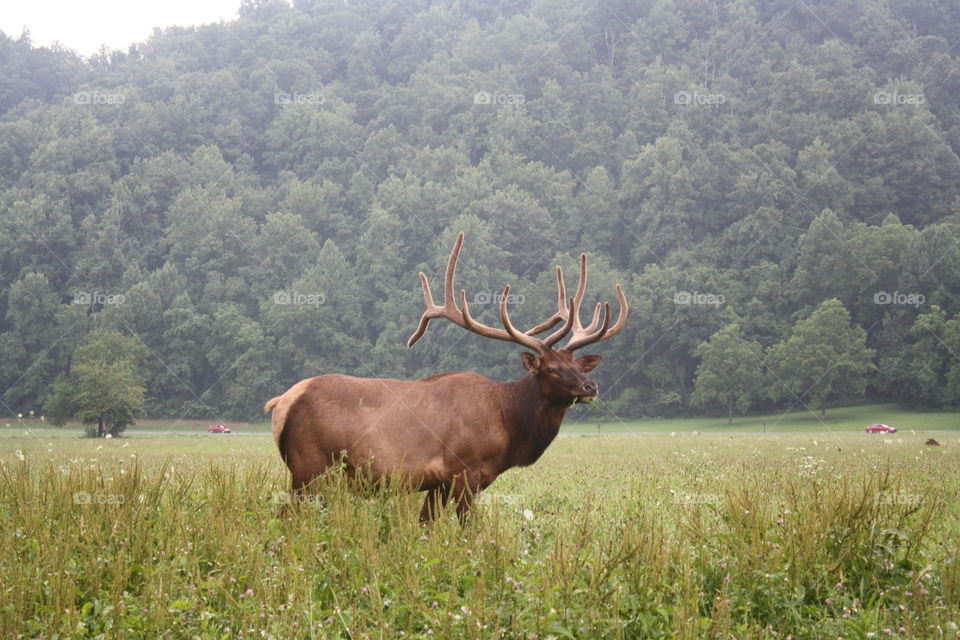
<point>253,200</point>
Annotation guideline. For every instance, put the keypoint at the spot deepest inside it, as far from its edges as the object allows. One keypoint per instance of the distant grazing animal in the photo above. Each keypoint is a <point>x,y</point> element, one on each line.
<point>451,434</point>
<point>931,443</point>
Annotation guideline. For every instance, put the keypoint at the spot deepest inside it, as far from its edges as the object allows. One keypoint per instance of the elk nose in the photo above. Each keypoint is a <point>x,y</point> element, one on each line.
<point>590,387</point>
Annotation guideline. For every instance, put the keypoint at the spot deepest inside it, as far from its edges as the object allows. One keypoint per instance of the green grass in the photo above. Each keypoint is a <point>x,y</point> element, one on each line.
<point>158,427</point>
<point>811,535</point>
<point>842,419</point>
<point>839,420</point>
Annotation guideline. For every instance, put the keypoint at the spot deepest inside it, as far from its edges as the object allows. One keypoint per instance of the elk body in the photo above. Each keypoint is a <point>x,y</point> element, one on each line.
<point>451,434</point>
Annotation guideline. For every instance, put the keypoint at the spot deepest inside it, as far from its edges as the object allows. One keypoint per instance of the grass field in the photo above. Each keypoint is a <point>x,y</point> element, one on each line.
<point>843,419</point>
<point>717,535</point>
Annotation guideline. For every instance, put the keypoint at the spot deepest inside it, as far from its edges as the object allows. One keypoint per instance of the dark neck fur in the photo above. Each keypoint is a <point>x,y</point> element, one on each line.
<point>532,421</point>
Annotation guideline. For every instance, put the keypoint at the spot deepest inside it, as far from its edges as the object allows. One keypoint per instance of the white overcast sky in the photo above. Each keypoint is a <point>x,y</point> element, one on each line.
<point>83,25</point>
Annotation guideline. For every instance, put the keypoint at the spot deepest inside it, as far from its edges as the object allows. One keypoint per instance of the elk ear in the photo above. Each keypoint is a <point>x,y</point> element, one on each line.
<point>587,363</point>
<point>530,362</point>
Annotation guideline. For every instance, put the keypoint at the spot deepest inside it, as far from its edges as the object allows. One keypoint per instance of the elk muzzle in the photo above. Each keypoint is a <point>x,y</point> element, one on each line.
<point>589,391</point>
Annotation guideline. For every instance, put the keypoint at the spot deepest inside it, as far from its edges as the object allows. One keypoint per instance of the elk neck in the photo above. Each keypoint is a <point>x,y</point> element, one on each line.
<point>532,420</point>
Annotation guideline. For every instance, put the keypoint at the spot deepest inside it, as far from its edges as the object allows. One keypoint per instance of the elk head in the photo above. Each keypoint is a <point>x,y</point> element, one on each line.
<point>561,377</point>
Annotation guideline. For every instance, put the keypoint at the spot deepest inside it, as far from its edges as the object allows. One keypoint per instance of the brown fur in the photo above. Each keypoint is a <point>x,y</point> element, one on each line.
<point>450,434</point>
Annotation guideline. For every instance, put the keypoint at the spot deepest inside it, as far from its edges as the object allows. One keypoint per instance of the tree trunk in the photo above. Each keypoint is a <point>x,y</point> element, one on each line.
<point>730,410</point>
<point>823,409</point>
<point>100,433</point>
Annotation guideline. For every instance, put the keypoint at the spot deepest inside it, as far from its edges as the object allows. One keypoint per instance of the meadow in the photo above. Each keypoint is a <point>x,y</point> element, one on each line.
<point>850,419</point>
<point>716,535</point>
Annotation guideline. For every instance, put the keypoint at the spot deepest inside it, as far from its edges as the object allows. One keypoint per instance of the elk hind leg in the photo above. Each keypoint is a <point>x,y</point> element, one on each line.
<point>300,492</point>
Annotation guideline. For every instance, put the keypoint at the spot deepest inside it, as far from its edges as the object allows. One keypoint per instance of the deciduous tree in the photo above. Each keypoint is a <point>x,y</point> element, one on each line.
<point>102,389</point>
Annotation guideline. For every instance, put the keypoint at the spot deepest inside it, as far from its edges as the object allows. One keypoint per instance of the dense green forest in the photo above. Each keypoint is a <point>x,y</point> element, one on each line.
<point>776,185</point>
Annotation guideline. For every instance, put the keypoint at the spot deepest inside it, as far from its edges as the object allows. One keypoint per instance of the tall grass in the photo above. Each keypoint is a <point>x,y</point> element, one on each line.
<point>651,537</point>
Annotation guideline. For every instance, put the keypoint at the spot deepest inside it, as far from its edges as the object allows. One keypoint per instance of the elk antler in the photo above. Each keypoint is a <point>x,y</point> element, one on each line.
<point>582,336</point>
<point>568,312</point>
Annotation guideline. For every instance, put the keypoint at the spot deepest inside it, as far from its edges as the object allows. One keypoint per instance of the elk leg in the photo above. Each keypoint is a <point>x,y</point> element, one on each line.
<point>299,493</point>
<point>464,503</point>
<point>298,482</point>
<point>291,505</point>
<point>429,510</point>
<point>466,489</point>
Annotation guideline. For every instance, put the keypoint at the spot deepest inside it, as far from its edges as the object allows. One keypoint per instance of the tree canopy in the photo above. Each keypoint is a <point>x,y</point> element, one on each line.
<point>824,359</point>
<point>102,389</point>
<point>731,370</point>
<point>252,200</point>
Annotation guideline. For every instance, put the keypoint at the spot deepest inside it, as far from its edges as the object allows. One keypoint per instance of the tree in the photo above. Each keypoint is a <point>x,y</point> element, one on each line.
<point>730,370</point>
<point>739,151</point>
<point>657,200</point>
<point>102,388</point>
<point>32,350</point>
<point>819,182</point>
<point>210,243</point>
<point>922,370</point>
<point>826,263</point>
<point>824,359</point>
<point>317,322</point>
<point>515,217</point>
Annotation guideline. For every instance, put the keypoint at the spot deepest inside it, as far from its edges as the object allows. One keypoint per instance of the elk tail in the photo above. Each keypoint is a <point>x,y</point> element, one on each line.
<point>281,406</point>
<point>279,416</point>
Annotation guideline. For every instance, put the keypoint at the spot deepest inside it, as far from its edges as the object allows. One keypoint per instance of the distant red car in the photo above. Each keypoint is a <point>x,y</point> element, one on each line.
<point>218,428</point>
<point>881,428</point>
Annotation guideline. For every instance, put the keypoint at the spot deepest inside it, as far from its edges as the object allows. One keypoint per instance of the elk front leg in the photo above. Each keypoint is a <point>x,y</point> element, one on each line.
<point>429,510</point>
<point>466,488</point>
<point>464,504</point>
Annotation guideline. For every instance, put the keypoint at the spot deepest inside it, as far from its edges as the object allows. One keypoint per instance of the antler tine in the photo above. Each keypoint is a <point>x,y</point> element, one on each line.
<point>622,318</point>
<point>521,338</point>
<point>460,315</point>
<point>425,285</point>
<point>574,309</point>
<point>557,335</point>
<point>584,337</point>
<point>582,285</point>
<point>426,317</point>
<point>596,319</point>
<point>562,311</point>
<point>449,309</point>
<point>448,298</point>
<point>472,325</point>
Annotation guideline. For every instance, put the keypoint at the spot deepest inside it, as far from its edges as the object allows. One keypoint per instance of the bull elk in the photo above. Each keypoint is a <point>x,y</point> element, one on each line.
<point>453,433</point>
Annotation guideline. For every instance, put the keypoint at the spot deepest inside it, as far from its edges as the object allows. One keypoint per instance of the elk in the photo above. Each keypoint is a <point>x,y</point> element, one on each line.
<point>453,433</point>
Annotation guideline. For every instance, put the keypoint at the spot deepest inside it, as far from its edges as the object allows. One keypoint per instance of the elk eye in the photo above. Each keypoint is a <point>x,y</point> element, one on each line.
<point>551,370</point>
